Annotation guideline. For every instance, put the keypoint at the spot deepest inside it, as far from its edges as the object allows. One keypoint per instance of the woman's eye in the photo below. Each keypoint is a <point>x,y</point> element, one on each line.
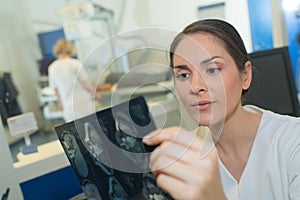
<point>213,70</point>
<point>183,76</point>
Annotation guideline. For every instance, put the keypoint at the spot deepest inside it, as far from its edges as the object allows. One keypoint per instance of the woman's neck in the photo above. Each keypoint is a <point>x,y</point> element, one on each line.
<point>236,141</point>
<point>62,56</point>
<point>239,131</point>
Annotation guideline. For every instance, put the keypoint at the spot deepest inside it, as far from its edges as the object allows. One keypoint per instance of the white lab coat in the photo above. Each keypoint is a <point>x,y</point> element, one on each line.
<point>273,169</point>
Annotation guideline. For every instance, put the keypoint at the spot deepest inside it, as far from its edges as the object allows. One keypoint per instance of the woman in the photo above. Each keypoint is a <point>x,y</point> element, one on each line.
<point>256,153</point>
<point>71,83</point>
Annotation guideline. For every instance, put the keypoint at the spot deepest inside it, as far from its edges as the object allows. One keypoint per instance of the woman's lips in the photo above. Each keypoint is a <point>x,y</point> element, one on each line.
<point>202,105</point>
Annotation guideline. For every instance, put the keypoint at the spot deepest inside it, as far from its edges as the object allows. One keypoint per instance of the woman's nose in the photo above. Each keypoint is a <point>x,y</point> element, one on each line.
<point>198,84</point>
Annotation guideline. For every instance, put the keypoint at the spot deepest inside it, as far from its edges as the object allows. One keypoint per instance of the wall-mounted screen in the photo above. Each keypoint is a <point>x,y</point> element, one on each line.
<point>273,85</point>
<point>47,40</point>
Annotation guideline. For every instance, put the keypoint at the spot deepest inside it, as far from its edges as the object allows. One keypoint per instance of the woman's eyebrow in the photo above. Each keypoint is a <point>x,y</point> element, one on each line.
<point>180,67</point>
<point>208,60</point>
<point>203,62</point>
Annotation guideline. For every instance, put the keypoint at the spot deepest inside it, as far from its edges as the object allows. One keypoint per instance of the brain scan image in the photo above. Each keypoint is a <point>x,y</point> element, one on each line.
<point>87,141</point>
<point>115,189</point>
<point>92,140</point>
<point>150,190</point>
<point>126,133</point>
<point>74,153</point>
<point>94,143</point>
<point>126,137</point>
<point>91,191</point>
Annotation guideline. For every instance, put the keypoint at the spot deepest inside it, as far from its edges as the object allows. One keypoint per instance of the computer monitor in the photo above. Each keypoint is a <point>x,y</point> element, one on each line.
<point>47,41</point>
<point>44,64</point>
<point>273,85</point>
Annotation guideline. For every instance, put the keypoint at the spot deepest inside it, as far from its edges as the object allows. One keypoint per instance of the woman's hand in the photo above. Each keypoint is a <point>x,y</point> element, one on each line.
<point>180,167</point>
<point>98,96</point>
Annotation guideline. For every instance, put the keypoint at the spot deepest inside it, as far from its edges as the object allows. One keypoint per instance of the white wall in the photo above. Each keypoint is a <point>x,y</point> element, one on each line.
<point>279,27</point>
<point>237,14</point>
<point>175,16</point>
<point>19,53</point>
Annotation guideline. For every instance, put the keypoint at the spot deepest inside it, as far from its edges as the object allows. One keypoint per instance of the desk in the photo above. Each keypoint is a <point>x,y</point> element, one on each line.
<point>47,174</point>
<point>50,157</point>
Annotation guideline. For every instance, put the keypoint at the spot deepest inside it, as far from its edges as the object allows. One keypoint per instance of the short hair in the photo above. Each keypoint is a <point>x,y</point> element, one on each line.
<point>63,46</point>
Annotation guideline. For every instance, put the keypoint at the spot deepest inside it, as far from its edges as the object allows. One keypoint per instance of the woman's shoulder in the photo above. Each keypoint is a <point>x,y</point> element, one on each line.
<point>277,124</point>
<point>66,62</point>
<point>280,130</point>
<point>68,59</point>
<point>73,60</point>
<point>273,117</point>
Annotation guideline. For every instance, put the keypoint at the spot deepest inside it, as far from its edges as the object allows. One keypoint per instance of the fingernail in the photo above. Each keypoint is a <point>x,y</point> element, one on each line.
<point>146,139</point>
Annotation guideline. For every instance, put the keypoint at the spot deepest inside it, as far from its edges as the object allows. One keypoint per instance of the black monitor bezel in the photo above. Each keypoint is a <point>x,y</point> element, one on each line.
<point>283,51</point>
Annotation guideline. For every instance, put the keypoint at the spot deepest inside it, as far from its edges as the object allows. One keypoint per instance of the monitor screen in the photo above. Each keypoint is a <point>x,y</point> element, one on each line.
<point>44,64</point>
<point>47,41</point>
<point>273,85</point>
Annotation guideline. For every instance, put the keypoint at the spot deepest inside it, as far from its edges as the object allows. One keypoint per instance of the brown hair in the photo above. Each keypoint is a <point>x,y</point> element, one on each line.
<point>223,32</point>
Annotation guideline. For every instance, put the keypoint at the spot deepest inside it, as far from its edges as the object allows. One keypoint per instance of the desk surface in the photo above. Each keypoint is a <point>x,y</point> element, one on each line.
<point>50,157</point>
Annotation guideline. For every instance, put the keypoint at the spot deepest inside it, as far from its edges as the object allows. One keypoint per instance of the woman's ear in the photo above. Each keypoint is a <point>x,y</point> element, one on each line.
<point>247,75</point>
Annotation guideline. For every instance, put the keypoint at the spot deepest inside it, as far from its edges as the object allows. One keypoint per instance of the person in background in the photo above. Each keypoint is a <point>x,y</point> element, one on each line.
<point>256,152</point>
<point>76,94</point>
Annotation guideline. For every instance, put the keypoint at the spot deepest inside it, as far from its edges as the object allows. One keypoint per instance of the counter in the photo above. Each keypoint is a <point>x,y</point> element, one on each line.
<point>47,174</point>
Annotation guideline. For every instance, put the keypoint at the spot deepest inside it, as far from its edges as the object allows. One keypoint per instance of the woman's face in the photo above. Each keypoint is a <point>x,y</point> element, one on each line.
<point>207,79</point>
